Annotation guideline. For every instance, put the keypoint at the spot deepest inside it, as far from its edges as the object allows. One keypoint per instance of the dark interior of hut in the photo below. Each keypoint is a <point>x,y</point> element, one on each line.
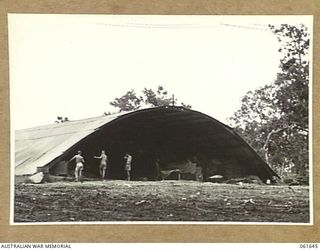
<point>167,138</point>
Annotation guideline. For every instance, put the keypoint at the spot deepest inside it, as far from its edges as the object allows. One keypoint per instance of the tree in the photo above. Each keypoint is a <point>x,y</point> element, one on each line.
<point>274,119</point>
<point>60,119</point>
<point>127,102</point>
<point>158,98</point>
<point>293,79</point>
<point>150,98</point>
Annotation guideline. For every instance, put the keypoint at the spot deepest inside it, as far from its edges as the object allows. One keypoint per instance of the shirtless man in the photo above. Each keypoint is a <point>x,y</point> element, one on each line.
<point>103,164</point>
<point>79,165</point>
<point>127,167</point>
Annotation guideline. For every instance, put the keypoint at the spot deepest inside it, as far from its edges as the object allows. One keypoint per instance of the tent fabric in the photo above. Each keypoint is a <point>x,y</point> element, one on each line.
<point>36,147</point>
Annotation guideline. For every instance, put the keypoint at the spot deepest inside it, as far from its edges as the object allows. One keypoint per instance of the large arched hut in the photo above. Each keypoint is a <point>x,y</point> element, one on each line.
<point>172,135</point>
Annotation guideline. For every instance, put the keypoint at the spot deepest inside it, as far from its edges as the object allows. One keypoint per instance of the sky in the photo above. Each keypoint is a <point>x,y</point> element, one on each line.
<point>74,65</point>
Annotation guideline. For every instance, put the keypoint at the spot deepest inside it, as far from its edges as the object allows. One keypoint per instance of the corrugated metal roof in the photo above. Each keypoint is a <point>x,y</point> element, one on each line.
<point>36,147</point>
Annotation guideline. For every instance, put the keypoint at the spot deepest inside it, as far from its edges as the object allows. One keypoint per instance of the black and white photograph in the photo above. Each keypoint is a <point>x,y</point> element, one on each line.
<point>162,119</point>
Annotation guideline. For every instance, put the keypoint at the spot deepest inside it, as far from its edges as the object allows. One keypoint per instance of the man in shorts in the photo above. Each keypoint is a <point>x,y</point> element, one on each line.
<point>127,167</point>
<point>103,167</point>
<point>79,165</point>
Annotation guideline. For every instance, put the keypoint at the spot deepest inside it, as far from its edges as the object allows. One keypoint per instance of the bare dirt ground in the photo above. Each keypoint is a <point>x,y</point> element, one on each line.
<point>117,200</point>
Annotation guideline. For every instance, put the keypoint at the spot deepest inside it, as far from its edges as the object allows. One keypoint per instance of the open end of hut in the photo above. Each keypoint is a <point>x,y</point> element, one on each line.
<point>168,138</point>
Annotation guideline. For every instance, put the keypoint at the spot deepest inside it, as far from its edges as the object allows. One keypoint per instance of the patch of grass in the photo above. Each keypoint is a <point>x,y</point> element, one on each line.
<point>117,200</point>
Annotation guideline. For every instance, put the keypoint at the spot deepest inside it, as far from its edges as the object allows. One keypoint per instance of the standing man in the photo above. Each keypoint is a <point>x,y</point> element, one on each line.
<point>79,165</point>
<point>103,167</point>
<point>127,167</point>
